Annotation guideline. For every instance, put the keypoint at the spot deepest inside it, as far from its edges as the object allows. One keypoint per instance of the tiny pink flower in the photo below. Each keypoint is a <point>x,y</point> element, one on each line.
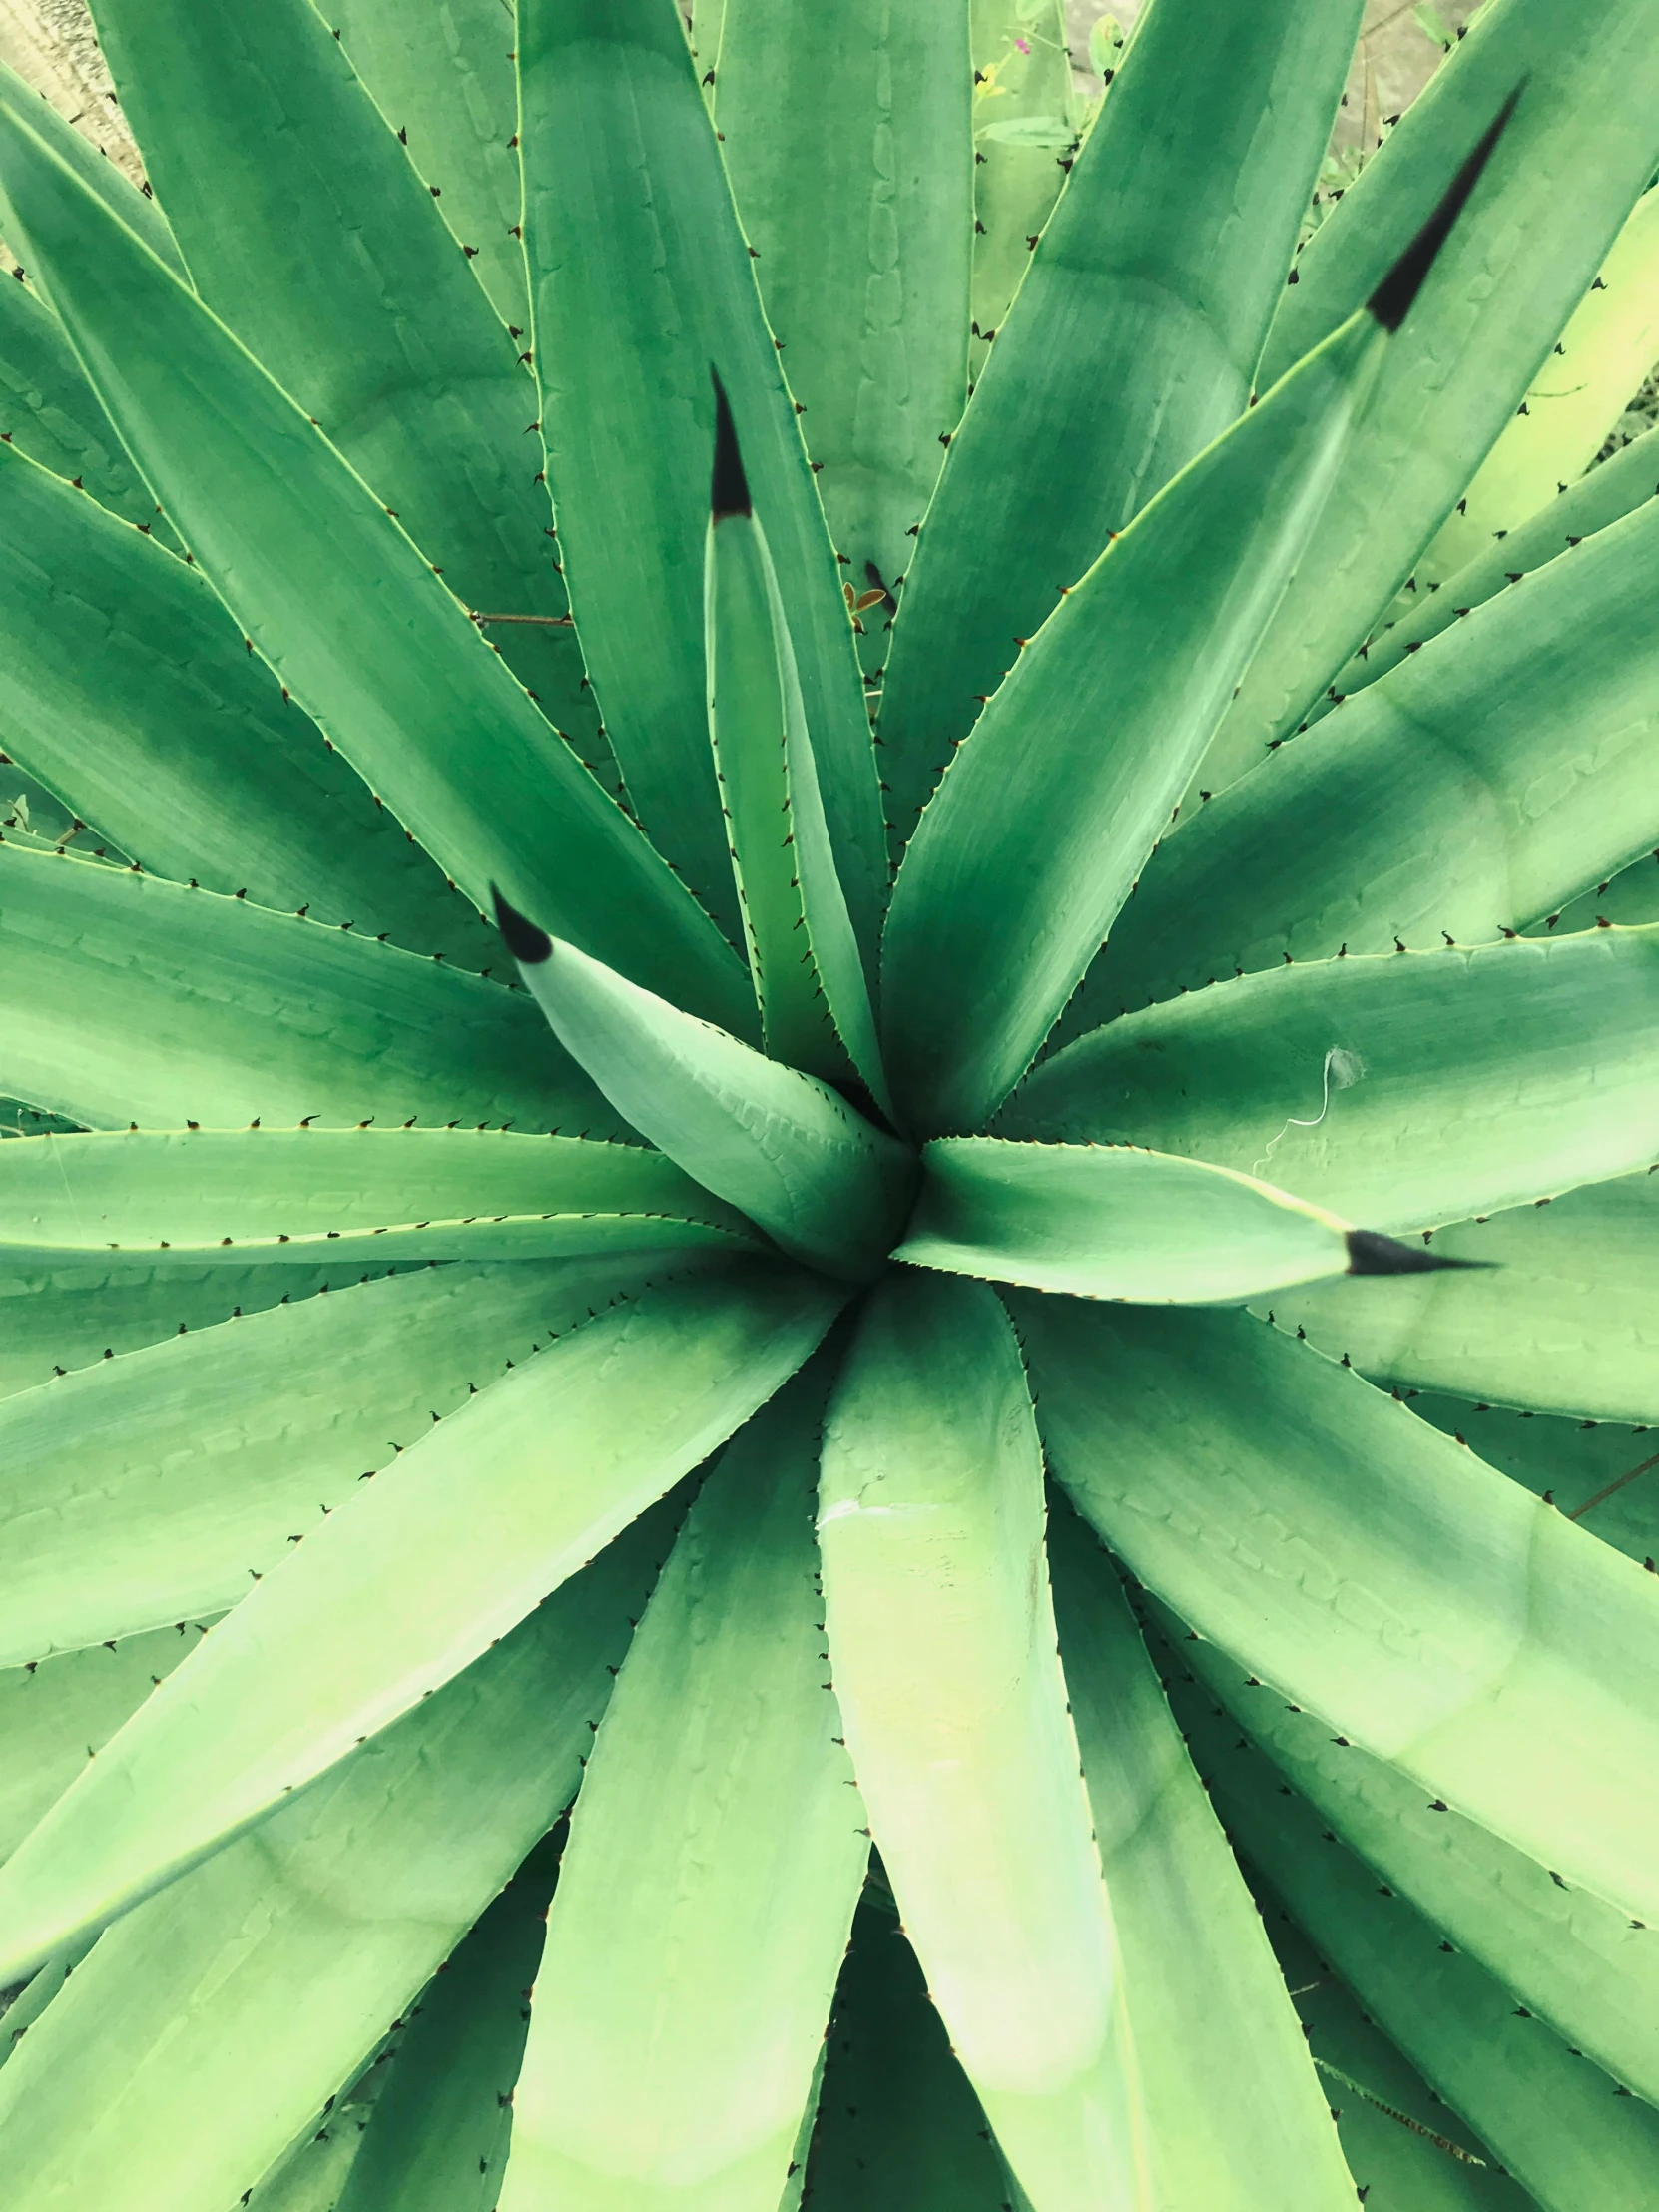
<point>1024,45</point>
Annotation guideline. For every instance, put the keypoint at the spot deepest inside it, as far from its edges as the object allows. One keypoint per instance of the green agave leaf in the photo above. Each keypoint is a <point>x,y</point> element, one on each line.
<point>1582,146</point>
<point>59,1713</point>
<point>1026,123</point>
<point>313,2175</point>
<point>1625,480</point>
<point>1630,898</point>
<point>997,911</point>
<point>1553,2119</point>
<point>126,688</point>
<point>830,1186</point>
<point>48,412</point>
<point>1599,1473</point>
<point>482,1195</point>
<point>1565,1322</point>
<point>397,1591</point>
<point>942,1643</point>
<point>1410,2153</point>
<point>1235,2113</point>
<point>439,2130</point>
<point>1368,1567</point>
<point>1398,1091</point>
<point>714,1859</point>
<point>93,169</point>
<point>397,676</point>
<point>1131,347</point>
<point>163,1484</point>
<point>201,2034</point>
<point>54,1319</point>
<point>1469,792</point>
<point>1114,1222</point>
<point>898,2127</point>
<point>444,80</point>
<point>802,955</point>
<point>1570,407</point>
<point>640,278</point>
<point>124,996</point>
<point>307,231</point>
<point>847,134</point>
<point>1571,1959</point>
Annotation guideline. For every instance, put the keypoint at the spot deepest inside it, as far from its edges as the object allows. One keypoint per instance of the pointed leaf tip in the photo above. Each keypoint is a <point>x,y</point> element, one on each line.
<point>1371,1253</point>
<point>528,945</point>
<point>1392,301</point>
<point>728,492</point>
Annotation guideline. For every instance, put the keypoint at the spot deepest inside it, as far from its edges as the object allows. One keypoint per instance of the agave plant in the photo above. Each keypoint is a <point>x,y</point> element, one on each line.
<point>804,1015</point>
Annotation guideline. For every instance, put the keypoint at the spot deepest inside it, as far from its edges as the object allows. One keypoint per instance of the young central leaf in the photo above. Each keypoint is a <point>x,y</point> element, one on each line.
<point>828,1186</point>
<point>809,978</point>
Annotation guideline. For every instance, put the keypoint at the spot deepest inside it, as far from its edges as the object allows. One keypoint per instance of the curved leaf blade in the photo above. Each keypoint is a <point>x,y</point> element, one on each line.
<point>848,136</point>
<point>714,1863</point>
<point>1110,1220</point>
<point>1129,348</point>
<point>558,1459</point>
<point>942,1642</point>
<point>165,1485</point>
<point>126,996</point>
<point>640,278</point>
<point>397,676</point>
<point>1430,1610</point>
<point>127,689</point>
<point>1563,1318</point>
<point>1471,790</point>
<point>802,955</point>
<point>830,1186</point>
<point>1582,147</point>
<point>307,229</point>
<point>997,911</point>
<point>445,83</point>
<point>51,414</point>
<point>1553,2119</point>
<point>1233,2111</point>
<point>239,1197</point>
<point>220,2016</point>
<point>1399,1091</point>
<point>1573,1961</point>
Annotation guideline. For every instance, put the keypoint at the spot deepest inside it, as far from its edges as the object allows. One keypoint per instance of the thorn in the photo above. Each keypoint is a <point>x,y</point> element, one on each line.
<point>1371,1253</point>
<point>528,945</point>
<point>1392,301</point>
<point>728,488</point>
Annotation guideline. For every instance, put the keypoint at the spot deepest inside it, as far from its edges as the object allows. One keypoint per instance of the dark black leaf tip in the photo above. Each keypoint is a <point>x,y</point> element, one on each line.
<point>728,492</point>
<point>528,945</point>
<point>1392,301</point>
<point>1371,1253</point>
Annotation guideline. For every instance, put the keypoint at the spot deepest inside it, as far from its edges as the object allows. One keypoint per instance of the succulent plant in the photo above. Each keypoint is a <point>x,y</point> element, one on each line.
<point>610,1081</point>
